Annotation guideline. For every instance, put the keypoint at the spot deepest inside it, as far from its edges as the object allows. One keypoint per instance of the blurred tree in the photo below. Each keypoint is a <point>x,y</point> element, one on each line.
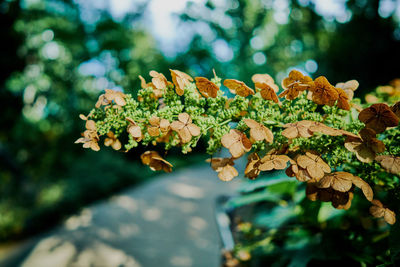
<point>57,59</point>
<point>243,37</point>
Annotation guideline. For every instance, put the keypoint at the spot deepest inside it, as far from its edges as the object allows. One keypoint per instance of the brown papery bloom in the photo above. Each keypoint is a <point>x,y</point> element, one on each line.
<point>238,87</point>
<point>314,164</point>
<point>389,163</point>
<point>206,87</point>
<point>268,91</point>
<point>294,84</point>
<point>157,93</point>
<point>348,87</point>
<point>366,146</point>
<point>237,143</point>
<point>112,141</point>
<point>157,124</point>
<point>134,130</point>
<point>378,117</point>
<point>158,80</point>
<point>379,211</point>
<point>259,132</point>
<point>323,93</point>
<point>224,167</point>
<point>185,128</point>
<point>180,80</point>
<point>155,161</point>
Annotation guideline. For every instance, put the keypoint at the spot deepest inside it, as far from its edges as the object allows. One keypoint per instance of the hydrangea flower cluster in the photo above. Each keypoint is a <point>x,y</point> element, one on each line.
<point>315,131</point>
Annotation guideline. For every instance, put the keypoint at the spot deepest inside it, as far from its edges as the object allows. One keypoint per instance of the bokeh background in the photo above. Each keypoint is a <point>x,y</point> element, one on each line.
<point>58,55</point>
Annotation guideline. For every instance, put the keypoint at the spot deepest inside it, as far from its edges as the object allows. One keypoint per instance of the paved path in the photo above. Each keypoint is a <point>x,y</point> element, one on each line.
<point>166,222</point>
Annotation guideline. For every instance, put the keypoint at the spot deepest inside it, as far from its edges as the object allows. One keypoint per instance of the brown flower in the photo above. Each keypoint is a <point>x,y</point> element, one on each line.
<point>298,129</point>
<point>253,162</point>
<point>319,127</point>
<point>294,170</point>
<point>339,200</point>
<point>343,182</point>
<point>101,101</point>
<point>273,162</point>
<point>180,80</point>
<point>262,78</point>
<point>259,132</point>
<point>90,137</point>
<point>366,146</point>
<point>314,164</point>
<point>185,128</point>
<point>206,87</point>
<point>157,124</point>
<point>157,93</point>
<point>224,167</point>
<point>134,130</point>
<point>389,163</point>
<point>396,109</point>
<point>378,211</point>
<point>237,143</point>
<point>348,87</point>
<point>238,87</point>
<point>343,99</point>
<point>116,96</point>
<point>268,91</point>
<point>294,84</point>
<point>112,140</point>
<point>155,161</point>
<point>158,80</point>
<point>378,117</point>
<point>323,93</point>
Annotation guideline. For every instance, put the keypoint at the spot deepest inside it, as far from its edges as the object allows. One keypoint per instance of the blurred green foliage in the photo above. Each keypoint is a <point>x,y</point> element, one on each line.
<point>58,55</point>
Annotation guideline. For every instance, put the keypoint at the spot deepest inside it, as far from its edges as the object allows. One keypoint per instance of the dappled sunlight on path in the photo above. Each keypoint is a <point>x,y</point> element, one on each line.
<point>166,222</point>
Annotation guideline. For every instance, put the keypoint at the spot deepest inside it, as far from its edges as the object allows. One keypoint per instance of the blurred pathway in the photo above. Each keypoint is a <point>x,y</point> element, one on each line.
<point>166,222</point>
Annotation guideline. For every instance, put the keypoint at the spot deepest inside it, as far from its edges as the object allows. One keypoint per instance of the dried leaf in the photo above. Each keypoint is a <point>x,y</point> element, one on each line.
<point>339,181</point>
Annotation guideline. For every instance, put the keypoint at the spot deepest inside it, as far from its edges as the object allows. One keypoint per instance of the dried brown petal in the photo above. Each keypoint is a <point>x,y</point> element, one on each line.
<point>159,81</point>
<point>268,91</point>
<point>298,129</point>
<point>273,162</point>
<point>339,181</point>
<point>237,143</point>
<point>378,117</point>
<point>323,93</point>
<point>378,211</point>
<point>180,80</point>
<point>206,87</point>
<point>252,171</point>
<point>224,167</point>
<point>258,131</point>
<point>314,164</point>
<point>238,87</point>
<point>185,128</point>
<point>389,163</point>
<point>294,84</point>
<point>155,161</point>
<point>262,78</point>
